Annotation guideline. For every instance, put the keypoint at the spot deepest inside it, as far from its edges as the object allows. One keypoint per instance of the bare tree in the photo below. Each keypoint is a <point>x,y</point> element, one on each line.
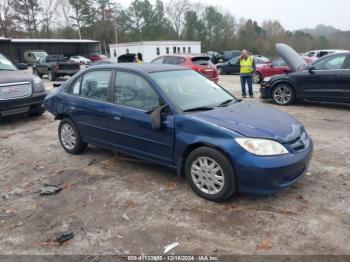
<point>5,17</point>
<point>176,11</point>
<point>48,13</point>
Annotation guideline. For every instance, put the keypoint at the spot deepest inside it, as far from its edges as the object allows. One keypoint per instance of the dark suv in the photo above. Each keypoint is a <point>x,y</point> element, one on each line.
<point>20,92</point>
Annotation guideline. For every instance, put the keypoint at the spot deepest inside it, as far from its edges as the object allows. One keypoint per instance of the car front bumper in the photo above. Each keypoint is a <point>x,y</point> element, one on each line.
<point>22,105</point>
<point>267,175</point>
<point>265,90</point>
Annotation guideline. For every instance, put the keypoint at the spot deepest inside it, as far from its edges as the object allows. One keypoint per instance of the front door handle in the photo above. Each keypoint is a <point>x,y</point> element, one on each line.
<point>116,115</point>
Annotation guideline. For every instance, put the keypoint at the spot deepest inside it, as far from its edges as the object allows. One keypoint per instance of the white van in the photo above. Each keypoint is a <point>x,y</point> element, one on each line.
<point>32,56</point>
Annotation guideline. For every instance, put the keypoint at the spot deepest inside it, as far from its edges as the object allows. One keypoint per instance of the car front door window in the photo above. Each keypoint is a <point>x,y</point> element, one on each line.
<point>134,91</point>
<point>95,85</point>
<point>330,63</point>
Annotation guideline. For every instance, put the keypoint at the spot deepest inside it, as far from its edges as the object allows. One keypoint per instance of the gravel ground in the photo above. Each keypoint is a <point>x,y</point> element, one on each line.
<point>118,206</point>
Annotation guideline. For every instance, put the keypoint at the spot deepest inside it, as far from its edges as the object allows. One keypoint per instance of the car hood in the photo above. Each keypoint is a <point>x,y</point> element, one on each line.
<point>254,120</point>
<point>14,76</point>
<point>290,56</point>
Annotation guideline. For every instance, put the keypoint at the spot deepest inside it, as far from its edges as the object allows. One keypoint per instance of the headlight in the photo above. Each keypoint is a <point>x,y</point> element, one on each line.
<point>38,84</point>
<point>262,147</point>
<point>267,79</point>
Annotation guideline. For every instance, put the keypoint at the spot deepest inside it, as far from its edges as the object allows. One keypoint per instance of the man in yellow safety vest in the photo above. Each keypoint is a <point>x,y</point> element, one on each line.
<point>247,68</point>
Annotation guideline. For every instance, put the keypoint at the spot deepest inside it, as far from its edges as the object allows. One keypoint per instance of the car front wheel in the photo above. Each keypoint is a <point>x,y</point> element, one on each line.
<point>283,94</point>
<point>70,138</point>
<point>210,174</point>
<point>52,76</point>
<point>257,77</point>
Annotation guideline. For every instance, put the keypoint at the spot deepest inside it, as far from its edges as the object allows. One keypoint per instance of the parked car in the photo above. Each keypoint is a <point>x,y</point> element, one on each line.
<point>20,92</point>
<point>227,55</point>
<point>176,117</point>
<point>199,63</point>
<point>80,59</point>
<point>32,56</point>
<point>327,79</point>
<point>94,58</point>
<point>275,67</point>
<point>127,58</point>
<point>55,66</point>
<point>316,54</point>
<point>232,66</point>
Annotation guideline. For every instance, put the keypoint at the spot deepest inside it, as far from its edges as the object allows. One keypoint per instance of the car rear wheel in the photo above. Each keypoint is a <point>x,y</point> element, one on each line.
<point>70,138</point>
<point>52,76</point>
<point>283,94</point>
<point>257,77</point>
<point>210,174</point>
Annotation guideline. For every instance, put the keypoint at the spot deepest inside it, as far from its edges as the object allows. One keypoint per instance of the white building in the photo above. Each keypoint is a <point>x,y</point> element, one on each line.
<point>152,49</point>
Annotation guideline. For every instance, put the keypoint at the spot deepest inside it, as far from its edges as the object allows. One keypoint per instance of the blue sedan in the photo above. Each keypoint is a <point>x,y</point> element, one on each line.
<point>180,119</point>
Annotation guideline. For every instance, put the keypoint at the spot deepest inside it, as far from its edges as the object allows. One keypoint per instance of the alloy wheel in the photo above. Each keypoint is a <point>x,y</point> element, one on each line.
<point>282,95</point>
<point>68,137</point>
<point>207,175</point>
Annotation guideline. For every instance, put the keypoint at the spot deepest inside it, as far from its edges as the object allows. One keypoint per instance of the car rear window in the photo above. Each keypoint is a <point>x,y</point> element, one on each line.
<point>201,60</point>
<point>55,58</point>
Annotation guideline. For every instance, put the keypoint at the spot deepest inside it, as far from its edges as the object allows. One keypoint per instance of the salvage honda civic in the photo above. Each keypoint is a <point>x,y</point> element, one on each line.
<point>178,118</point>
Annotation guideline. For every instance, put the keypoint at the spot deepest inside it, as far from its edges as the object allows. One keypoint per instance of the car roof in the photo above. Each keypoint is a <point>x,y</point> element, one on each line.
<point>146,67</point>
<point>185,55</point>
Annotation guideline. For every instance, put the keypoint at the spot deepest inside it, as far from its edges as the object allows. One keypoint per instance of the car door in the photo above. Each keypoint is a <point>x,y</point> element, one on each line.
<point>323,81</point>
<point>89,105</point>
<point>233,66</point>
<point>40,66</point>
<point>130,123</point>
<point>345,82</point>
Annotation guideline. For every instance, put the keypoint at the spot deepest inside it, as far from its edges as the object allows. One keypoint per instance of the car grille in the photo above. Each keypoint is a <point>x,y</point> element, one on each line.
<point>300,143</point>
<point>15,90</point>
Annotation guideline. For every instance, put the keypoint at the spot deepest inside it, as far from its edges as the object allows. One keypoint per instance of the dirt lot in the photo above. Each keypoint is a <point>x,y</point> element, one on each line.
<point>115,206</point>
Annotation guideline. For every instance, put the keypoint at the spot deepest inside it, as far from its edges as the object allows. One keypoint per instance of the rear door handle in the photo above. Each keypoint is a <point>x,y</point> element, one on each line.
<point>116,115</point>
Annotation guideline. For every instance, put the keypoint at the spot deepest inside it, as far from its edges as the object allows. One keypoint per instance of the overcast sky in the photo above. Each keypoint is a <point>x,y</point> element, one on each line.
<point>293,14</point>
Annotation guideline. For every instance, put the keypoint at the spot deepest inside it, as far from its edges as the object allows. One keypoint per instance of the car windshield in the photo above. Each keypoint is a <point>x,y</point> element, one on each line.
<point>189,90</point>
<point>6,64</point>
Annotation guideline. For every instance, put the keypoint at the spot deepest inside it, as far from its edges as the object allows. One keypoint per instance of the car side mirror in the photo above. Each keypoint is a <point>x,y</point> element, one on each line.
<point>22,66</point>
<point>310,68</point>
<point>156,117</point>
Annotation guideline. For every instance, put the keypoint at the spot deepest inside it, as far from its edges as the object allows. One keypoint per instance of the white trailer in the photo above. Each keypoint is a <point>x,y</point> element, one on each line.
<point>153,49</point>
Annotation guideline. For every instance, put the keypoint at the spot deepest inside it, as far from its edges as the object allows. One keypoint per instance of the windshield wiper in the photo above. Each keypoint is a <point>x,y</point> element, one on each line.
<point>200,108</point>
<point>226,102</point>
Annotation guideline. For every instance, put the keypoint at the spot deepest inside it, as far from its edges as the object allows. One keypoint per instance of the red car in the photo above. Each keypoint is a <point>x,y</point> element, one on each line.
<point>275,67</point>
<point>94,58</point>
<point>199,63</point>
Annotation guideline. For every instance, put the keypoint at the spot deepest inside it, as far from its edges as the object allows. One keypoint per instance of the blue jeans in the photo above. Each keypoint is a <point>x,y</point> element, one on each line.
<point>249,80</point>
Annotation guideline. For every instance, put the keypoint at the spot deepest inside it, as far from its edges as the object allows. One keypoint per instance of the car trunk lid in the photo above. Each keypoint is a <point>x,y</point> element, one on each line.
<point>205,66</point>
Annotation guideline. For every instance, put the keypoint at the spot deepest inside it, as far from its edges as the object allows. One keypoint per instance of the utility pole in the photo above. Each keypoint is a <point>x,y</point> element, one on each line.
<point>116,32</point>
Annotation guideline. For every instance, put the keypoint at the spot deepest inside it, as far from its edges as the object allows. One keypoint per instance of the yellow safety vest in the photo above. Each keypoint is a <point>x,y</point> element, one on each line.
<point>247,65</point>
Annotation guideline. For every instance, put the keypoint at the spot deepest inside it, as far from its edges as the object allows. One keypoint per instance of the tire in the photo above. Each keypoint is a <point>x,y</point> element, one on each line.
<point>283,94</point>
<point>70,138</point>
<point>37,110</point>
<point>257,78</point>
<point>195,165</point>
<point>52,76</point>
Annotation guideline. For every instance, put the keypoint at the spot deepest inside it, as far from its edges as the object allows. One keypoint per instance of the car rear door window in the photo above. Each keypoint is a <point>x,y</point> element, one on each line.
<point>330,63</point>
<point>173,60</point>
<point>134,91</point>
<point>95,85</point>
